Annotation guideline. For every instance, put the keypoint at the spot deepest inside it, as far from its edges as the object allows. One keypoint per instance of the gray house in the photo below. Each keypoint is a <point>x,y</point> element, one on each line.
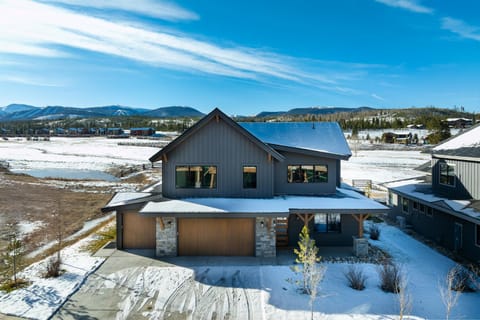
<point>447,208</point>
<point>244,189</point>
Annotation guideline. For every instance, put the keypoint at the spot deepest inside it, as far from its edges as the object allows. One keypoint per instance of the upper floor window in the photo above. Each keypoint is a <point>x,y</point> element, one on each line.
<point>196,177</point>
<point>249,177</point>
<point>327,222</point>
<point>447,174</point>
<point>307,173</point>
<point>405,205</point>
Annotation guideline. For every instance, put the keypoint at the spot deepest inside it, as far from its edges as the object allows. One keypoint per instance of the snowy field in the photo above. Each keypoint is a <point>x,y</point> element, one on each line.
<point>102,154</point>
<point>244,292</point>
<point>73,153</point>
<point>382,166</point>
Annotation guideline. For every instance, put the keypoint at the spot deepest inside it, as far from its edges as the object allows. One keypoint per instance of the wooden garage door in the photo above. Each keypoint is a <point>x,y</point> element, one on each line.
<point>138,231</point>
<point>216,237</point>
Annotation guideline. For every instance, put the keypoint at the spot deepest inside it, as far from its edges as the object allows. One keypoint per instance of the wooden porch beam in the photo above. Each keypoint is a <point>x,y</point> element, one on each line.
<point>164,158</point>
<point>162,224</point>
<point>306,218</point>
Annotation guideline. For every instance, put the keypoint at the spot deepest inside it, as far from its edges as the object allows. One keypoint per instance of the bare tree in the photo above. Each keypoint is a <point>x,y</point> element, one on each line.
<point>448,295</point>
<point>404,297</point>
<point>54,263</point>
<point>318,272</point>
<point>307,257</point>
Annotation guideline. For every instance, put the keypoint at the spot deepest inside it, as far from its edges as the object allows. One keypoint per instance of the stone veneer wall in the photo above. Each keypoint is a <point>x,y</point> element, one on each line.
<point>166,238</point>
<point>265,238</point>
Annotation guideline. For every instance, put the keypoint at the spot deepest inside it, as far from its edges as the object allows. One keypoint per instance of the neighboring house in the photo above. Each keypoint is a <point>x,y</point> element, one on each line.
<point>244,189</point>
<point>142,131</point>
<point>115,131</point>
<point>447,208</point>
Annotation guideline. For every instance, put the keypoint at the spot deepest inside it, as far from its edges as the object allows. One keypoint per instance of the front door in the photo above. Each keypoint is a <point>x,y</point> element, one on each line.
<point>457,241</point>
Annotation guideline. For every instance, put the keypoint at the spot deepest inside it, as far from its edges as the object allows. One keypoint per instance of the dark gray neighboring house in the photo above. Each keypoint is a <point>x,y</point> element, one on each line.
<point>244,189</point>
<point>447,208</point>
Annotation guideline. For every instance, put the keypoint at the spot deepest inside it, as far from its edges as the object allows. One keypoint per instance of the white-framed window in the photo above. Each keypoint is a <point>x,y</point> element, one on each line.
<point>447,174</point>
<point>392,199</point>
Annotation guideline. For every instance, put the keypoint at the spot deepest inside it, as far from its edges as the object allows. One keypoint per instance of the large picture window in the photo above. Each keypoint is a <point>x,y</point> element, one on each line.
<point>447,174</point>
<point>327,222</point>
<point>196,177</point>
<point>249,177</point>
<point>307,173</point>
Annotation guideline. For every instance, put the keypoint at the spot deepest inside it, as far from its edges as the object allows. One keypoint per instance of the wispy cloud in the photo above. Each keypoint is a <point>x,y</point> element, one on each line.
<point>410,5</point>
<point>157,9</point>
<point>28,81</point>
<point>376,96</point>
<point>43,29</point>
<point>461,28</point>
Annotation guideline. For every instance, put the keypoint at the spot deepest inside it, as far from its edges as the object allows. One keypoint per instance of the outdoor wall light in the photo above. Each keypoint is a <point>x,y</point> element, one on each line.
<point>262,223</point>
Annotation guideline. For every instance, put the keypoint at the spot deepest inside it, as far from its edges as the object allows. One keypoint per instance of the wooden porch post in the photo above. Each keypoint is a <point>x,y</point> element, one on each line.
<point>306,218</point>
<point>360,219</point>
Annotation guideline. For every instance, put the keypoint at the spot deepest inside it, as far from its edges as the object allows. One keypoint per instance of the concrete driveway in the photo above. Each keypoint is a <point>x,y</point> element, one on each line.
<point>137,286</point>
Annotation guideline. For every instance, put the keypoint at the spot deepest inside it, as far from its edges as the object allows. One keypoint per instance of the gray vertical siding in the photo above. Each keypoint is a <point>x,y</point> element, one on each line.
<point>349,228</point>
<point>281,173</point>
<point>440,228</point>
<point>467,182</point>
<point>220,145</point>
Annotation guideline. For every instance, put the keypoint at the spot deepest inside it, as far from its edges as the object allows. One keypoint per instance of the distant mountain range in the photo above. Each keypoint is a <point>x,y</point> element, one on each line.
<point>312,111</point>
<point>23,112</point>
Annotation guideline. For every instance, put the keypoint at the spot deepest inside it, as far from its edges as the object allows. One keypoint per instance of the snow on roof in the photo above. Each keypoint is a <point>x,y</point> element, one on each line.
<point>466,143</point>
<point>422,191</point>
<point>177,206</point>
<point>317,136</point>
<point>122,198</point>
<point>343,199</point>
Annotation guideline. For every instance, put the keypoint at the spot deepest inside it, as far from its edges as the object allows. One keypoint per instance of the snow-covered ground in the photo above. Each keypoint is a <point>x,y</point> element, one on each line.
<point>383,165</point>
<point>258,292</point>
<point>96,153</point>
<point>44,296</point>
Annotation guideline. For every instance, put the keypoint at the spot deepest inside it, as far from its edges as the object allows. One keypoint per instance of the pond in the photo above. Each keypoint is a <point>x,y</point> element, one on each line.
<point>62,173</point>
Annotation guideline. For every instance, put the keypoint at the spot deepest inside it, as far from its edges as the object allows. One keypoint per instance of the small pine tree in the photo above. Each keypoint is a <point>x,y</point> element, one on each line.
<point>13,257</point>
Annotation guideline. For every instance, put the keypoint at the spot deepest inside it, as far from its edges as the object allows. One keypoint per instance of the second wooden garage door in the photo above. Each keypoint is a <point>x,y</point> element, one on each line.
<point>216,237</point>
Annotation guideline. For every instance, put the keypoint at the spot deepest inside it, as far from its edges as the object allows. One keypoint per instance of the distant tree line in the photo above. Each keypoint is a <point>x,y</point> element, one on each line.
<point>34,126</point>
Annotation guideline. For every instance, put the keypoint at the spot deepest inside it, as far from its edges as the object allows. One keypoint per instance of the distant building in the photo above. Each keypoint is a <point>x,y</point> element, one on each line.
<point>459,122</point>
<point>400,138</point>
<point>142,131</point>
<point>115,131</point>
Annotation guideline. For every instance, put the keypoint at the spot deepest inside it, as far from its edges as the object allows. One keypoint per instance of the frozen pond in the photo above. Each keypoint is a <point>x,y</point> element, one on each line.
<point>64,173</point>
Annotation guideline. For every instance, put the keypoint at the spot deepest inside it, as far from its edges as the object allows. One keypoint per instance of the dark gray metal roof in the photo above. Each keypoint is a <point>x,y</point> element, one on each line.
<point>463,145</point>
<point>324,137</point>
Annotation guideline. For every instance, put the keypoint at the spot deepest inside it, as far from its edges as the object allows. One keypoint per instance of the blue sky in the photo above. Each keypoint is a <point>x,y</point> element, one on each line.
<point>242,56</point>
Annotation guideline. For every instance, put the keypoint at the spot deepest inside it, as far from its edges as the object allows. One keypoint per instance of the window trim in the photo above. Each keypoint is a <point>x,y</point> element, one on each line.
<point>327,230</point>
<point>243,176</point>
<point>407,211</point>
<point>203,166</point>
<point>299,166</point>
<point>440,175</point>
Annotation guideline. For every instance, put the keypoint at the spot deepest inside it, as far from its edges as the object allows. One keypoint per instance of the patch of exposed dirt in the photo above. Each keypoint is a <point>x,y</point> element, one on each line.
<point>27,199</point>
